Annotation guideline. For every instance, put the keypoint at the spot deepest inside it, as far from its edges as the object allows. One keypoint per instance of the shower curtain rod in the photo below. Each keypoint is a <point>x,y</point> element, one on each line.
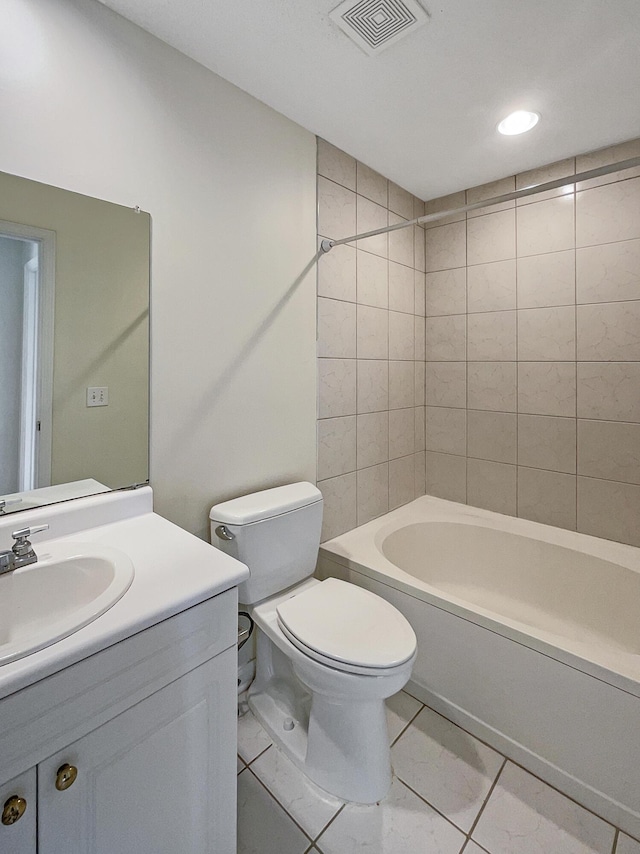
<point>327,245</point>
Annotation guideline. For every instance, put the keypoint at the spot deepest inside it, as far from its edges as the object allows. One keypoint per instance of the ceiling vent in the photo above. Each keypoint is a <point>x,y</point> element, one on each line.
<point>375,24</point>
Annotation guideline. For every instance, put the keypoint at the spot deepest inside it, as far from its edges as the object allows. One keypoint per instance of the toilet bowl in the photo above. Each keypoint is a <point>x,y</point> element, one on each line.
<point>328,653</point>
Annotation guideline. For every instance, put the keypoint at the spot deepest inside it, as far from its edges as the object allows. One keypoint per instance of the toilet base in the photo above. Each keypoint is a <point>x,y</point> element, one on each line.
<point>342,746</point>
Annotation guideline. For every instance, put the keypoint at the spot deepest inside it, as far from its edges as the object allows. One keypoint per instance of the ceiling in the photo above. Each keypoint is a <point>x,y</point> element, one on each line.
<point>424,111</point>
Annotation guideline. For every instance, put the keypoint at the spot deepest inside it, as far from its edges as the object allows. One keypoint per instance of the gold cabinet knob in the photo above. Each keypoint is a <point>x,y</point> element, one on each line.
<point>13,810</point>
<point>66,777</point>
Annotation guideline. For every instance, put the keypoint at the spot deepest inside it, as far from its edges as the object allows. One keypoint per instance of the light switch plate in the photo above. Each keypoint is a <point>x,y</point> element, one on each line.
<point>98,396</point>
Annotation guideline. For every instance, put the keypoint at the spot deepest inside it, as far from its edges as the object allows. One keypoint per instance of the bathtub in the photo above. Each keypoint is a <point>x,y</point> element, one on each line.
<point>528,637</point>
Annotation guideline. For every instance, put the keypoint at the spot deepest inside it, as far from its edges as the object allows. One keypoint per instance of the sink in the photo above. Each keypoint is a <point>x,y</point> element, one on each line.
<point>71,585</point>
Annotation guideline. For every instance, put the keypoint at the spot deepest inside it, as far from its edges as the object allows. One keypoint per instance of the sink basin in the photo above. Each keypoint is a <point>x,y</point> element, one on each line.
<point>71,585</point>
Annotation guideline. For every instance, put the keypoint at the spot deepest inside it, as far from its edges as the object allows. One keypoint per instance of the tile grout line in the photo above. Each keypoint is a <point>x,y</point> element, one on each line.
<point>431,806</point>
<point>408,724</point>
<point>281,805</point>
<point>486,800</point>
<point>329,823</point>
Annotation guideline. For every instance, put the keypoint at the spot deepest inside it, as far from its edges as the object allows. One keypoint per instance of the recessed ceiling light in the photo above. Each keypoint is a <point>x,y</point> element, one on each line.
<point>518,122</point>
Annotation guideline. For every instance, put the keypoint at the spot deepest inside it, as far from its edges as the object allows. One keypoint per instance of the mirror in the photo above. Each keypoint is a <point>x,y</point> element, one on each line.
<point>74,345</point>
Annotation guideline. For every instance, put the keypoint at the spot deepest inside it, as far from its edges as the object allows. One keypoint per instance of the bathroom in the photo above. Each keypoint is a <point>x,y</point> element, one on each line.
<point>94,104</point>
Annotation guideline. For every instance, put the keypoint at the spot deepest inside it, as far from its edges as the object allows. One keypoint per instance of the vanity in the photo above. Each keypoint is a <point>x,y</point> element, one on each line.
<point>120,737</point>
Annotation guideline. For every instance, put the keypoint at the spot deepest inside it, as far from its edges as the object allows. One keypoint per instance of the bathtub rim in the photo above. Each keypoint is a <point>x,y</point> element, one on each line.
<point>360,550</point>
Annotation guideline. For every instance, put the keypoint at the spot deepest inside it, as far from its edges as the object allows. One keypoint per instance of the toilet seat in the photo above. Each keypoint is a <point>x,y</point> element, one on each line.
<point>347,628</point>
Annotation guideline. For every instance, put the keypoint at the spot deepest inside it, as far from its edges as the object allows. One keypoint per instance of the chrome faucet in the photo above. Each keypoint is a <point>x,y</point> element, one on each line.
<point>21,553</point>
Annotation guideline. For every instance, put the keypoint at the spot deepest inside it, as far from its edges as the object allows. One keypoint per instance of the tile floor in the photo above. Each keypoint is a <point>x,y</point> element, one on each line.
<point>450,794</point>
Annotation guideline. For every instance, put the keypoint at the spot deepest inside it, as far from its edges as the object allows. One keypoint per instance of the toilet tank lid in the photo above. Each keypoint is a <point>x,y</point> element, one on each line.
<point>265,504</point>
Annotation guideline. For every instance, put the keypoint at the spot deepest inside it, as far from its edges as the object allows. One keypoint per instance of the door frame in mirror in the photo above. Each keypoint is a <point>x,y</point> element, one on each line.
<point>46,241</point>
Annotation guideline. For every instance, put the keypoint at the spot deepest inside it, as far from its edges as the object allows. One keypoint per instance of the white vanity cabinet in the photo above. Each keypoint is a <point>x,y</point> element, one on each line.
<point>148,730</point>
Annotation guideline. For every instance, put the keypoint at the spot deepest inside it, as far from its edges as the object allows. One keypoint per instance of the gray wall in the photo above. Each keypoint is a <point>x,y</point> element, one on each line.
<point>103,108</point>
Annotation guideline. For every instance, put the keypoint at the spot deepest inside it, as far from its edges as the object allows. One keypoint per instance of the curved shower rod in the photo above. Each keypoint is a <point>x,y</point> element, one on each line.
<point>327,245</point>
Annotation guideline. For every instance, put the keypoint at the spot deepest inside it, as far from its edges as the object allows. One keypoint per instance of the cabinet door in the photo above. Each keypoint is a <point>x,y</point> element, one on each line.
<point>20,836</point>
<point>157,779</point>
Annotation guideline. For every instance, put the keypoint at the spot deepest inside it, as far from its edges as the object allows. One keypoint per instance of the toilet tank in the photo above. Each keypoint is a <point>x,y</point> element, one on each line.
<point>276,533</point>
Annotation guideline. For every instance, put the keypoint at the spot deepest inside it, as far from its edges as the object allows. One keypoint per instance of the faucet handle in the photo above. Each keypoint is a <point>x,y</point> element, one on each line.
<point>25,533</point>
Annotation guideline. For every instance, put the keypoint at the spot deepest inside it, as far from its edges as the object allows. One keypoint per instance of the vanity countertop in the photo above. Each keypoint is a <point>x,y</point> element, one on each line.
<point>173,572</point>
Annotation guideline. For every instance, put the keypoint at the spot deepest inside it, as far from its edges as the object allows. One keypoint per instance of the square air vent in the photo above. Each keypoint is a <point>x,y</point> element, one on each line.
<point>375,24</point>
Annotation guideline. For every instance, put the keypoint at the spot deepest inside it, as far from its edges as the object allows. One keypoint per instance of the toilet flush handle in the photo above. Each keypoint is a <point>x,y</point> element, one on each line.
<point>223,533</point>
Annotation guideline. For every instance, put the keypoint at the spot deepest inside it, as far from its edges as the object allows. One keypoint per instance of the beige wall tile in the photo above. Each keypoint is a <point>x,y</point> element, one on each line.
<point>336,329</point>
<point>401,433</point>
<point>446,338</point>
<point>609,390</point>
<point>545,280</point>
<point>418,207</point>
<point>336,210</point>
<point>606,156</point>
<point>372,277</point>
<point>489,191</point>
<point>491,287</point>
<point>336,164</point>
<point>420,383</point>
<point>373,492</point>
<point>402,486</point>
<point>492,486</point>
<point>491,238</point>
<point>401,288</point>
<point>552,172</point>
<point>400,242</point>
<point>446,203</point>
<point>445,247</point>
<point>446,430</point>
<point>491,336</point>
<point>547,334</point>
<point>546,226</point>
<point>337,274</point>
<point>610,510</point>
<point>446,476</point>
<point>339,505</point>
<point>420,473</point>
<point>547,442</point>
<point>420,427</point>
<point>419,285</point>
<point>608,272</point>
<point>547,388</point>
<point>627,845</point>
<point>609,450</point>
<point>369,217</point>
<point>492,386</point>
<point>400,201</point>
<point>336,446</point>
<point>548,497</point>
<point>445,292</point>
<point>419,243</point>
<point>609,332</point>
<point>373,385</point>
<point>371,184</point>
<point>401,336</point>
<point>372,439</point>
<point>420,338</point>
<point>401,384</point>
<point>492,436</point>
<point>336,387</point>
<point>609,213</point>
<point>446,384</point>
<point>372,333</point>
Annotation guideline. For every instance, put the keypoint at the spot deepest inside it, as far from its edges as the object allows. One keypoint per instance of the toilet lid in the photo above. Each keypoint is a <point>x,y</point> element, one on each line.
<point>343,622</point>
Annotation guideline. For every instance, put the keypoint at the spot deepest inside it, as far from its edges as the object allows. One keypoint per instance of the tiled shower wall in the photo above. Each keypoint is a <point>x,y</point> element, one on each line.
<point>533,350</point>
<point>371,346</point>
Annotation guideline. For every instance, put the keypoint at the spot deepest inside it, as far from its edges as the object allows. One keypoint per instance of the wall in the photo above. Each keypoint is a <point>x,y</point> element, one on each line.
<point>533,350</point>
<point>12,260</point>
<point>98,106</point>
<point>371,346</point>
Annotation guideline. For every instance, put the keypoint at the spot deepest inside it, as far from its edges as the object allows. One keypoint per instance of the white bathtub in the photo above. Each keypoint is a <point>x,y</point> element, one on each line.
<point>528,637</point>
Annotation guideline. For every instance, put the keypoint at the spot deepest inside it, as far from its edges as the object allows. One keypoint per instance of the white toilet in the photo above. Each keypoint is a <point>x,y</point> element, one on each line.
<point>328,652</point>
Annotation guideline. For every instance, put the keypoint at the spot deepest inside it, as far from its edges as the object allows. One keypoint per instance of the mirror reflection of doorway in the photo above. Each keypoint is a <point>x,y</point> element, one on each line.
<point>26,357</point>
